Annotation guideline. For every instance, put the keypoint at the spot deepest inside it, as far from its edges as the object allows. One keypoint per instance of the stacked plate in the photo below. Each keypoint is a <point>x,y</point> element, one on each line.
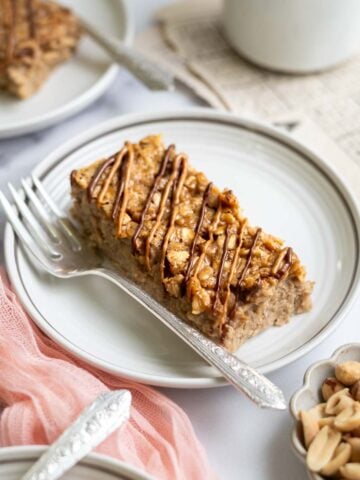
<point>15,461</point>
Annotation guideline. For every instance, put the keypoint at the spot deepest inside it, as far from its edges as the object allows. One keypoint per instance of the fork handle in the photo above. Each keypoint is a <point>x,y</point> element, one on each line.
<point>243,377</point>
<point>107,412</point>
<point>146,71</point>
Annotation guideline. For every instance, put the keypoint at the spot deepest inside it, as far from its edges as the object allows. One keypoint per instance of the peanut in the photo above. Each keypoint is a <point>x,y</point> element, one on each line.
<point>206,276</point>
<point>329,387</point>
<point>228,217</point>
<point>322,448</point>
<point>338,401</point>
<point>348,372</point>
<point>349,418</point>
<point>355,391</point>
<point>351,471</point>
<point>341,456</point>
<point>355,448</point>
<point>310,423</point>
<point>186,234</point>
<point>326,421</point>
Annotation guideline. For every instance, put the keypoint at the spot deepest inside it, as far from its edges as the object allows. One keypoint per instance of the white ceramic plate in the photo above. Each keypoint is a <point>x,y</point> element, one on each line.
<point>281,186</point>
<point>15,461</point>
<point>75,84</point>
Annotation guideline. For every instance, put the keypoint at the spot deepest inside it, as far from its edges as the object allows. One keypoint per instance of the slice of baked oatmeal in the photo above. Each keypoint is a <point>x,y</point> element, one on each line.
<point>173,232</point>
<point>35,36</point>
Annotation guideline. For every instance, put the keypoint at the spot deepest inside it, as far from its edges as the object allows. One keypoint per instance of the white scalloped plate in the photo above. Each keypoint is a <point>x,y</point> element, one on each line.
<point>309,394</point>
<point>281,186</point>
<point>75,84</point>
<point>15,461</point>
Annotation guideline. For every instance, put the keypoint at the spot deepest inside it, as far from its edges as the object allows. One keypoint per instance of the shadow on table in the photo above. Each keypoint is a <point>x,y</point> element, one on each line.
<point>241,440</point>
<point>278,454</point>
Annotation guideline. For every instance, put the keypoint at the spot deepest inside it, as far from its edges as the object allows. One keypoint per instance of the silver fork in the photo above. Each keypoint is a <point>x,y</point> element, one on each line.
<point>104,415</point>
<point>53,239</point>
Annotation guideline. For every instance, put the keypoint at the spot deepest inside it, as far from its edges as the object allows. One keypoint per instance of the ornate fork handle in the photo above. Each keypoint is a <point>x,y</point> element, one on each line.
<point>255,385</point>
<point>102,417</point>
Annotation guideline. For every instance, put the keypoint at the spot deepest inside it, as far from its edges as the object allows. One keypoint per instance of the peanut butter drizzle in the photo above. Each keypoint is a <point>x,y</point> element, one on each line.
<point>31,19</point>
<point>281,273</point>
<point>116,164</point>
<point>222,263</point>
<point>98,174</point>
<point>245,269</point>
<point>199,224</point>
<point>124,189</point>
<point>227,286</point>
<point>279,259</point>
<point>213,226</point>
<point>174,210</point>
<point>249,258</point>
<point>152,192</point>
<point>11,34</point>
<point>119,193</point>
<point>161,210</point>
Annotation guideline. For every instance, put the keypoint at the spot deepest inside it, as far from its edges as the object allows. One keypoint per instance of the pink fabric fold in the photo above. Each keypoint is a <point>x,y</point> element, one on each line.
<point>43,388</point>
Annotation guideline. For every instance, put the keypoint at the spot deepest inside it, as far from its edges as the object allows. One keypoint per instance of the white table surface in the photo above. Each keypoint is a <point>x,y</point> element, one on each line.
<point>242,441</point>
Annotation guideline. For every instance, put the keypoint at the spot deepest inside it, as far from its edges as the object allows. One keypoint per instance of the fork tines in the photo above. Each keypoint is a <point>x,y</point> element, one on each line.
<point>39,223</point>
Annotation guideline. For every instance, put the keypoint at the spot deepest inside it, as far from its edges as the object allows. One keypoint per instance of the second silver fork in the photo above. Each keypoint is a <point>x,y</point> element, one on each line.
<point>54,241</point>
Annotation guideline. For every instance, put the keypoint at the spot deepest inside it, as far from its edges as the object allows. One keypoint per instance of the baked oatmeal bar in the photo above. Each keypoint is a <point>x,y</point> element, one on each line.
<point>165,226</point>
<point>35,36</point>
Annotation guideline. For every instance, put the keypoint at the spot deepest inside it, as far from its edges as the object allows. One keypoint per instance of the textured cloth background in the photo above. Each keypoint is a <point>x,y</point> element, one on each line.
<point>43,388</point>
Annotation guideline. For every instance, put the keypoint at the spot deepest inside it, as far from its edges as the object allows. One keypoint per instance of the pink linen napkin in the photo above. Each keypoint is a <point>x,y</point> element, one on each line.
<point>43,388</point>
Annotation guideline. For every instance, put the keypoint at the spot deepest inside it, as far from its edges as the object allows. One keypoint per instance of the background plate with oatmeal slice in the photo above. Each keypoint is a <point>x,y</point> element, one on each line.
<point>281,186</point>
<point>73,85</point>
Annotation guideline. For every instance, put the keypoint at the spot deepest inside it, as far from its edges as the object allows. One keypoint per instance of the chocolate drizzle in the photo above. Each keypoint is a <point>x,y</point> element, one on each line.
<point>96,178</point>
<point>249,258</point>
<point>31,18</point>
<point>169,182</point>
<point>123,191</point>
<point>232,272</point>
<point>211,231</point>
<point>220,272</point>
<point>117,165</point>
<point>150,197</point>
<point>287,259</point>
<point>174,209</point>
<point>197,232</point>
<point>161,210</point>
<point>239,288</point>
<point>12,32</point>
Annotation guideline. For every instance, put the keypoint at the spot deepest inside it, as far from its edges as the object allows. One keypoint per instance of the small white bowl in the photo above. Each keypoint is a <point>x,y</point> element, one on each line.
<point>310,394</point>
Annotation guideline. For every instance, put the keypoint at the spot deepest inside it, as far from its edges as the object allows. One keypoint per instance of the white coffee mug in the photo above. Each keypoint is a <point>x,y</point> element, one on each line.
<point>297,36</point>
